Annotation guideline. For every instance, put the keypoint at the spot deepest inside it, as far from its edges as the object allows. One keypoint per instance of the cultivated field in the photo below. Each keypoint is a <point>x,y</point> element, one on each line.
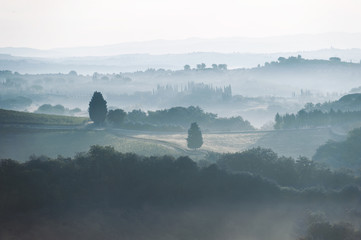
<point>16,117</point>
<point>293,143</point>
<point>20,142</point>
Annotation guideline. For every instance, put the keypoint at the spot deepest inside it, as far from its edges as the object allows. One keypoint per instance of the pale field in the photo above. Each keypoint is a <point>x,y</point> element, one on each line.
<point>222,143</point>
<point>19,144</point>
<point>289,143</point>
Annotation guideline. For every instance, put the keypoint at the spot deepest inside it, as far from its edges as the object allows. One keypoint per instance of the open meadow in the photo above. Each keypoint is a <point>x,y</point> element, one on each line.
<point>300,142</point>
<point>20,142</point>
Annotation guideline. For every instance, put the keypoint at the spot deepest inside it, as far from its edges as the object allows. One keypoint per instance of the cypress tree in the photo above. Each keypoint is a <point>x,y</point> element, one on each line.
<point>97,108</point>
<point>195,139</point>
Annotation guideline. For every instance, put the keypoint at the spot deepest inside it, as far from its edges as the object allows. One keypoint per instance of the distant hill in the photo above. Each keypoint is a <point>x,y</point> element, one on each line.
<point>256,45</point>
<point>350,102</point>
<point>111,63</point>
<point>344,113</point>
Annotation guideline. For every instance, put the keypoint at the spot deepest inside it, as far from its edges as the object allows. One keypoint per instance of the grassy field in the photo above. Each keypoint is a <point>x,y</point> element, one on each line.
<point>20,143</point>
<point>15,117</point>
<point>293,143</point>
<point>223,143</point>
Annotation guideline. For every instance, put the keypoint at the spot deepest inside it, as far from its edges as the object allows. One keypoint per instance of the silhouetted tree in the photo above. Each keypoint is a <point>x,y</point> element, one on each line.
<point>187,67</point>
<point>73,73</point>
<point>278,120</point>
<point>195,139</point>
<point>97,108</point>
<point>116,117</point>
<point>222,66</point>
<point>49,109</point>
<point>104,178</point>
<point>335,59</point>
<point>95,76</point>
<point>201,66</point>
<point>282,60</point>
<point>136,116</point>
<point>181,116</point>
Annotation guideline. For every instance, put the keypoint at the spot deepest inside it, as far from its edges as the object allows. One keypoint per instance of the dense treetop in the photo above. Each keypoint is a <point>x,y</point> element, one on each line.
<point>183,117</point>
<point>318,118</point>
<point>195,139</point>
<point>345,112</point>
<point>97,108</point>
<point>103,177</point>
<point>301,173</point>
<point>349,102</point>
<point>344,154</point>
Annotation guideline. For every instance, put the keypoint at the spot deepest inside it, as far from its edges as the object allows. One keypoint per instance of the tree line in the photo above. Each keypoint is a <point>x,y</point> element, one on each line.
<point>104,177</point>
<point>349,102</point>
<point>285,171</point>
<point>173,119</point>
<point>316,118</point>
<point>105,181</point>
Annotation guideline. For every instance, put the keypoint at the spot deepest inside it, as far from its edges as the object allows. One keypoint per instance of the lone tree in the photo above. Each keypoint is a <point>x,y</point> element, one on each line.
<point>97,108</point>
<point>195,139</point>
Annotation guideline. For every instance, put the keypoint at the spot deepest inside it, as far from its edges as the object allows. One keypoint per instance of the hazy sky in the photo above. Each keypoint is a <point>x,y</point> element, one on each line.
<point>65,23</point>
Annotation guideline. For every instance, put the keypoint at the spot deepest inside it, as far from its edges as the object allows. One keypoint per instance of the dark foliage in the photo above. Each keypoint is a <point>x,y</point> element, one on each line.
<point>116,117</point>
<point>48,108</point>
<point>350,102</point>
<point>344,112</point>
<point>175,119</point>
<point>97,108</point>
<point>298,62</point>
<point>104,194</point>
<point>328,231</point>
<point>137,116</point>
<point>56,110</point>
<point>342,154</point>
<point>317,118</point>
<point>183,117</point>
<point>195,139</point>
<point>301,173</point>
<point>104,178</point>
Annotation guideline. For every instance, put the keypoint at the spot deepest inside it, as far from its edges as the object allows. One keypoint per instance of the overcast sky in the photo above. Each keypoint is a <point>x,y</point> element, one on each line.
<point>48,24</point>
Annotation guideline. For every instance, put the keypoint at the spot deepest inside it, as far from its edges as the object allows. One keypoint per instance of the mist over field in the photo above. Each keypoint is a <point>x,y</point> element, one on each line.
<point>180,120</point>
<point>278,141</point>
